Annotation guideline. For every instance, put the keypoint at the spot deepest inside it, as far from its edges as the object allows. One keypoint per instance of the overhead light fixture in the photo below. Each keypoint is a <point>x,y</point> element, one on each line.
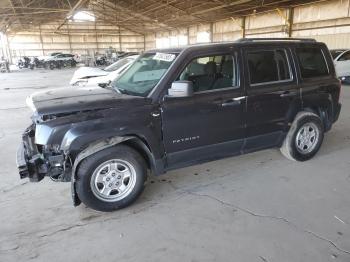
<point>83,16</point>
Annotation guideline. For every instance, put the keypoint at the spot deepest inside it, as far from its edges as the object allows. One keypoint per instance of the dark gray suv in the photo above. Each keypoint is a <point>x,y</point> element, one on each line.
<point>178,107</point>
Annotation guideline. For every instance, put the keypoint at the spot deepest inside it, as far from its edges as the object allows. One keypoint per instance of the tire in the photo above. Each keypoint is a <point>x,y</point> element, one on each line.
<point>73,63</point>
<point>94,178</point>
<point>296,145</point>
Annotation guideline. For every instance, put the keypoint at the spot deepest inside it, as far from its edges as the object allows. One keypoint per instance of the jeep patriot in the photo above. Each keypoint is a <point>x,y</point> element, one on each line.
<point>178,107</point>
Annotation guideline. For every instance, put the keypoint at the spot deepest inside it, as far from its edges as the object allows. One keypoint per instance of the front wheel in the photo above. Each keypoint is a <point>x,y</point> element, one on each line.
<point>304,138</point>
<point>73,63</point>
<point>111,179</point>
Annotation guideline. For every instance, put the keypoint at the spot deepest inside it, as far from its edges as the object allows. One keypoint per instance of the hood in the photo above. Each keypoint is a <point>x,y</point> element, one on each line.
<point>102,79</point>
<point>86,72</point>
<point>73,99</point>
<point>93,81</point>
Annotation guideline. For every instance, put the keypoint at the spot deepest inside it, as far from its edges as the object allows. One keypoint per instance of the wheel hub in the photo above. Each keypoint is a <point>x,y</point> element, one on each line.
<point>307,138</point>
<point>113,180</point>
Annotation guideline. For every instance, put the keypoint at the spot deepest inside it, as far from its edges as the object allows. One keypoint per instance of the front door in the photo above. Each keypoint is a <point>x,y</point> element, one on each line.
<point>209,124</point>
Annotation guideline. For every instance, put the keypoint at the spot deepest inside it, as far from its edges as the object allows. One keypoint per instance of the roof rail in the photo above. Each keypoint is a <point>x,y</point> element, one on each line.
<point>245,40</point>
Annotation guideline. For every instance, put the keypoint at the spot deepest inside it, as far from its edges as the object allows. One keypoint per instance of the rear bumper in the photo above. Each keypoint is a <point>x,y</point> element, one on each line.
<point>337,112</point>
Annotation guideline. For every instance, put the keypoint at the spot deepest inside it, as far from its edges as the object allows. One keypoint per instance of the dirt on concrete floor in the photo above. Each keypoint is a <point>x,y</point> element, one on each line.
<point>257,207</point>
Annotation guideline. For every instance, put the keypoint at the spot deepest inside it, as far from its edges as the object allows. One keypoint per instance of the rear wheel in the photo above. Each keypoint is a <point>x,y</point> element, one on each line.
<point>304,138</point>
<point>111,179</point>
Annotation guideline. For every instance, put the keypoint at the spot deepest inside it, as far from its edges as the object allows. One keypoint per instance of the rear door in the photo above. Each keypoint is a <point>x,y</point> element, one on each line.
<point>271,90</point>
<point>209,124</point>
<point>59,57</point>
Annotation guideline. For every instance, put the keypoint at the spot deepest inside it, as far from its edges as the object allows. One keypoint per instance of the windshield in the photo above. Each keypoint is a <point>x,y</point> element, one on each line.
<point>144,74</point>
<point>336,53</point>
<point>115,66</point>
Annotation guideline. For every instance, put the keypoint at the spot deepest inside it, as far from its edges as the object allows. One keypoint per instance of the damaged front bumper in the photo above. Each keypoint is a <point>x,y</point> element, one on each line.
<point>29,162</point>
<point>30,167</point>
<point>34,163</point>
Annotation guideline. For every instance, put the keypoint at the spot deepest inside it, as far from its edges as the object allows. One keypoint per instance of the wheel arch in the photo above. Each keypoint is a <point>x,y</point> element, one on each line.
<point>321,106</point>
<point>133,141</point>
<point>286,147</point>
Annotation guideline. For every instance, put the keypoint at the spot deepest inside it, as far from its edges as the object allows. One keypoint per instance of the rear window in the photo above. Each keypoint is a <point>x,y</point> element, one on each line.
<point>312,62</point>
<point>345,57</point>
<point>336,53</point>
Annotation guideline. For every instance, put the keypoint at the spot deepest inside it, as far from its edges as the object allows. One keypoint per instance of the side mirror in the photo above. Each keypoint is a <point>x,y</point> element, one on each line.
<point>181,89</point>
<point>104,85</point>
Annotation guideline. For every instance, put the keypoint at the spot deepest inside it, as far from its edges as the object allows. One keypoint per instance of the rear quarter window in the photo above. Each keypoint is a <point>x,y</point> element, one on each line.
<point>312,62</point>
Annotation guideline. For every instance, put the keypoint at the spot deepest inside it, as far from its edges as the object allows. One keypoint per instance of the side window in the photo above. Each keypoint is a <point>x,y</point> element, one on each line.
<point>312,62</point>
<point>268,66</point>
<point>345,57</point>
<point>210,73</point>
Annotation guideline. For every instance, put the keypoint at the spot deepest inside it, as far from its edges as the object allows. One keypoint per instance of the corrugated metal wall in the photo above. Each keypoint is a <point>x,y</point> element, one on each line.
<point>227,30</point>
<point>327,21</point>
<point>76,38</point>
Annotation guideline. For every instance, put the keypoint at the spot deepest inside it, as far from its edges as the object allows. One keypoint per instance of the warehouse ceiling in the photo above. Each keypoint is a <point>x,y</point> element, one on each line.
<point>140,16</point>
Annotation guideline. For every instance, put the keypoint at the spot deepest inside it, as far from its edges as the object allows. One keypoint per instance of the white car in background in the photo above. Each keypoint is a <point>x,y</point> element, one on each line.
<point>341,62</point>
<point>87,76</point>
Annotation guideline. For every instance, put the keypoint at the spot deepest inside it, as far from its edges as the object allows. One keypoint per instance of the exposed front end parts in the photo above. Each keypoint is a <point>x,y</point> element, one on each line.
<point>36,161</point>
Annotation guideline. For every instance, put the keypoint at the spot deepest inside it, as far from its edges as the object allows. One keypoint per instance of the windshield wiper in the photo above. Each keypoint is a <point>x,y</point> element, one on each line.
<point>124,91</point>
<point>106,85</point>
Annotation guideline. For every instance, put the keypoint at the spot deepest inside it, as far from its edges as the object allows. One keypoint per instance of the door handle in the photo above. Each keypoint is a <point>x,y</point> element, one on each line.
<point>234,101</point>
<point>239,98</point>
<point>288,94</point>
<point>155,114</point>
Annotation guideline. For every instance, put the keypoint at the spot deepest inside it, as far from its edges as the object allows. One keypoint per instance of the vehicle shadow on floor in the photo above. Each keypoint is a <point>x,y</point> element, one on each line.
<point>334,141</point>
<point>174,184</point>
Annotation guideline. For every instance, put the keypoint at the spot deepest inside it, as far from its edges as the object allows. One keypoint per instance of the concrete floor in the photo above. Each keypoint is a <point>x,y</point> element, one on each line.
<point>256,207</point>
